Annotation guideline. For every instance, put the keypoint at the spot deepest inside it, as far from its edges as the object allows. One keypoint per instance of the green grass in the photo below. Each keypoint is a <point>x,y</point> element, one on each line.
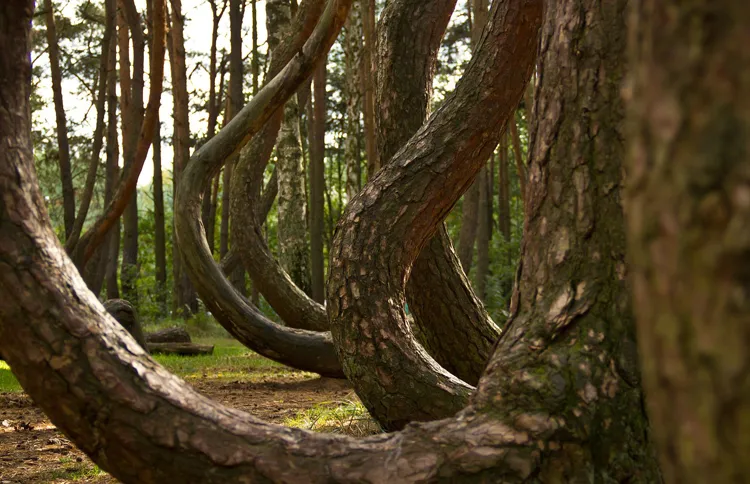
<point>74,471</point>
<point>8,382</point>
<point>231,361</point>
<point>341,417</point>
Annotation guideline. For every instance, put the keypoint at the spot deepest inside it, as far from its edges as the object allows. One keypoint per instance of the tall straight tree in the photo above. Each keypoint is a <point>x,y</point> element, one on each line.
<point>294,252</point>
<point>63,148</point>
<point>317,184</point>
<point>160,239</point>
<point>368,86</point>
<point>353,95</point>
<point>470,217</point>
<point>185,301</point>
<point>132,111</point>
<point>111,247</point>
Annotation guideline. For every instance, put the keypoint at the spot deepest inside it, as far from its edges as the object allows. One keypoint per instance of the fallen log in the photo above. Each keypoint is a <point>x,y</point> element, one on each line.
<point>169,335</point>
<point>184,349</point>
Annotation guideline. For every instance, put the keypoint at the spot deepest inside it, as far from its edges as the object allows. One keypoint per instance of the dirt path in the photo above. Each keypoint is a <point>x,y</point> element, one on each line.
<point>33,451</point>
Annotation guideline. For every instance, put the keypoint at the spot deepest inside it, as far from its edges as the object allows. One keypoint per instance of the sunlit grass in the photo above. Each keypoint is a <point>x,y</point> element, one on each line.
<point>8,382</point>
<point>348,417</point>
<point>74,471</point>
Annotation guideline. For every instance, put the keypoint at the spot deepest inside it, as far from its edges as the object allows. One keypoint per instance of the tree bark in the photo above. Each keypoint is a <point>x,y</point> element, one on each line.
<point>160,238</point>
<point>687,211</point>
<point>518,157</point>
<point>368,82</point>
<point>101,108</point>
<point>522,426</point>
<point>318,183</point>
<point>185,301</point>
<point>63,148</point>
<point>483,234</point>
<point>294,307</point>
<point>353,55</point>
<point>294,252</point>
<point>400,210</point>
<point>300,349</point>
<point>111,248</point>
<point>446,312</point>
<point>96,235</point>
<point>132,117</point>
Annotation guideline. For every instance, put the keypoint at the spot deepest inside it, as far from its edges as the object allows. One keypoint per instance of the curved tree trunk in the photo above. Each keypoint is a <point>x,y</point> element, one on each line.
<point>552,424</point>
<point>300,349</point>
<point>452,323</point>
<point>688,216</point>
<point>393,376</point>
<point>294,307</point>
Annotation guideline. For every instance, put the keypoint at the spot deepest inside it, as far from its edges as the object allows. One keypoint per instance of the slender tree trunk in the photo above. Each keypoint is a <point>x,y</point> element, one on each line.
<point>101,107</point>
<point>185,301</point>
<point>470,218</point>
<point>368,81</point>
<point>353,95</point>
<point>687,208</point>
<point>63,149</point>
<point>518,157</point>
<point>111,247</point>
<point>294,252</point>
<point>318,184</point>
<point>131,120</point>
<point>160,239</point>
<point>503,190</point>
<point>483,234</point>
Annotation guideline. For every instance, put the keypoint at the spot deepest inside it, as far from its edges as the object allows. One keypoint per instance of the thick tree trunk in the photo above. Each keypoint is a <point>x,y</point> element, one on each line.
<point>63,148</point>
<point>446,312</point>
<point>400,210</point>
<point>185,301</point>
<point>543,412</point>
<point>318,183</point>
<point>688,184</point>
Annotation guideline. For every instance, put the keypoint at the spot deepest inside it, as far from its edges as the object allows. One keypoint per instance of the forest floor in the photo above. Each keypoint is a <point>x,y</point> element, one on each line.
<point>32,450</point>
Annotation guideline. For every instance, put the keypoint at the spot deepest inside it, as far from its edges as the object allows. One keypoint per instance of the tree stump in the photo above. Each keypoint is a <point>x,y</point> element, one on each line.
<point>125,314</point>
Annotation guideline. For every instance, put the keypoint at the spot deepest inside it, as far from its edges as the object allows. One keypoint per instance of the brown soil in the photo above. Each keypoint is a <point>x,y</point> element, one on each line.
<point>32,450</point>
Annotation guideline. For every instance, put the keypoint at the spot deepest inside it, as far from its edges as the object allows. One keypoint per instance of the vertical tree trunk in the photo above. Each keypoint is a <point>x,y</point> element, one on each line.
<point>688,215</point>
<point>518,157</point>
<point>368,81</point>
<point>483,234</point>
<point>160,239</point>
<point>63,149</point>
<point>185,301</point>
<point>111,247</point>
<point>503,190</point>
<point>318,184</point>
<point>132,115</point>
<point>470,218</point>
<point>353,95</point>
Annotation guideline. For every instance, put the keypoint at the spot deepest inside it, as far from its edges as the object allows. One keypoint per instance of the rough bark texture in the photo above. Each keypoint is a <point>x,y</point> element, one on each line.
<point>353,95</point>
<point>368,87</point>
<point>111,248</point>
<point>300,349</point>
<point>146,426</point>
<point>452,324</point>
<point>688,213</point>
<point>184,301</point>
<point>294,307</point>
<point>63,148</point>
<point>294,252</point>
<point>386,225</point>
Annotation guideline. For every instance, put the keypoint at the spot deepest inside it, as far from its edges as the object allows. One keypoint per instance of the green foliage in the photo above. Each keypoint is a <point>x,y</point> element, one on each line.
<point>8,382</point>
<point>348,417</point>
